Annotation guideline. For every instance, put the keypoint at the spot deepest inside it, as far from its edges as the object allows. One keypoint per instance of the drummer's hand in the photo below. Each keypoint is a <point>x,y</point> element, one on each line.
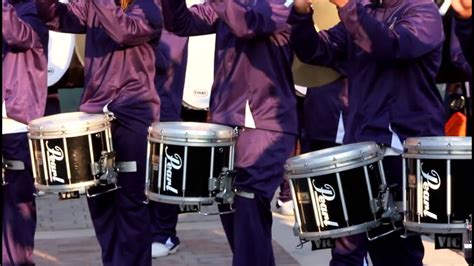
<point>463,8</point>
<point>303,6</point>
<point>339,3</point>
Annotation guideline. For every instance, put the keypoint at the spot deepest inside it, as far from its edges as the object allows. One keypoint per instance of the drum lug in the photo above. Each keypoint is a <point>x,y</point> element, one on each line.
<point>468,244</point>
<point>225,183</point>
<point>390,215</point>
<point>105,168</point>
<point>374,205</point>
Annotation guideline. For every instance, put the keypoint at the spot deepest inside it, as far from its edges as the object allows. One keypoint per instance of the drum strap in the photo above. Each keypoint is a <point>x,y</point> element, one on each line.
<point>13,165</point>
<point>126,167</point>
<point>245,194</point>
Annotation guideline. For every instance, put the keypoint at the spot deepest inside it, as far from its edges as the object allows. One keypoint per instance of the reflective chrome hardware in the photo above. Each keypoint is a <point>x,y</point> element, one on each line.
<point>105,169</point>
<point>225,184</point>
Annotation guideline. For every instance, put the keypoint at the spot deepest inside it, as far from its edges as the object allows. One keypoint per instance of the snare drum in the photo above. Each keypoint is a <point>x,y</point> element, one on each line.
<point>437,179</point>
<point>184,160</point>
<point>65,147</point>
<point>334,190</point>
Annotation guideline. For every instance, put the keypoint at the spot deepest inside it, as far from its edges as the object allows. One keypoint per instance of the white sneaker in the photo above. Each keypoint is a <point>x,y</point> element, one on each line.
<point>40,193</point>
<point>285,208</point>
<point>162,250</point>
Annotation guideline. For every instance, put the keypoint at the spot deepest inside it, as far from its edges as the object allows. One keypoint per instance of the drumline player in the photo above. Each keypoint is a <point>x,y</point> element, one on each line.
<point>390,51</point>
<point>121,41</point>
<point>253,90</point>
<point>323,116</point>
<point>463,31</point>
<point>463,26</point>
<point>170,76</point>
<point>284,202</point>
<point>24,91</point>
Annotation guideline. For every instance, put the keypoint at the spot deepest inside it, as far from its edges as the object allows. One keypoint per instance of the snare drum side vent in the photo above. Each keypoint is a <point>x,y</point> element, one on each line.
<point>303,197</point>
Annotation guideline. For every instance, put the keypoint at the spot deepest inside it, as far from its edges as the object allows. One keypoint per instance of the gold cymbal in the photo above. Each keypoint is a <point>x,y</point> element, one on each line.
<point>80,47</point>
<point>325,16</point>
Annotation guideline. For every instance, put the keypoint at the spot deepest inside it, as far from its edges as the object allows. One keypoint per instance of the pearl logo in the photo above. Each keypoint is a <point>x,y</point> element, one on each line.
<point>54,155</point>
<point>324,195</point>
<point>171,163</point>
<point>431,181</point>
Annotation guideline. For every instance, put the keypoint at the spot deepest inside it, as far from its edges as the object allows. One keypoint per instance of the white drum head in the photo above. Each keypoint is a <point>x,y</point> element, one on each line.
<point>10,126</point>
<point>75,123</point>
<point>333,159</point>
<point>199,72</point>
<point>200,69</point>
<point>60,51</point>
<point>191,132</point>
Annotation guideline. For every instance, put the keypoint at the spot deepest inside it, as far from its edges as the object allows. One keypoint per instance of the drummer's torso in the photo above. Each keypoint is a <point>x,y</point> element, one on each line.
<point>386,95</point>
<point>114,71</point>
<point>257,71</point>
<point>24,71</point>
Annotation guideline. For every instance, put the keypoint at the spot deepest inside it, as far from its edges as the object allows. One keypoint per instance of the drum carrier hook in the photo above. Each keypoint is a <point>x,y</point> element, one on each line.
<point>225,184</point>
<point>385,205</point>
<point>10,165</point>
<point>107,169</point>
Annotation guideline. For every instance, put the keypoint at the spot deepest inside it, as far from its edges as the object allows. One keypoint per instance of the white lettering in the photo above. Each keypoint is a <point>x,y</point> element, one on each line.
<point>432,182</point>
<point>327,194</point>
<point>171,162</point>
<point>54,155</point>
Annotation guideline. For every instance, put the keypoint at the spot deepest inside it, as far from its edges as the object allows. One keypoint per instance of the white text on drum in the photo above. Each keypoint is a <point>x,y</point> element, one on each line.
<point>171,162</point>
<point>432,181</point>
<point>55,154</point>
<point>327,194</point>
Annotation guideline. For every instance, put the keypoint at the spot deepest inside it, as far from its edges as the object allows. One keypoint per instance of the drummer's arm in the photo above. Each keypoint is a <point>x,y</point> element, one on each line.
<point>248,19</point>
<point>463,30</point>
<point>183,21</point>
<point>138,24</point>
<point>69,18</point>
<point>324,48</point>
<point>20,33</point>
<point>418,32</point>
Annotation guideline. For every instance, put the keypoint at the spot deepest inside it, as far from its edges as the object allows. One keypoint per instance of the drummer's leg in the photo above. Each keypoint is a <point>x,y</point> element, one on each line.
<point>260,156</point>
<point>103,214</point>
<point>350,251</point>
<point>133,217</point>
<point>19,210</point>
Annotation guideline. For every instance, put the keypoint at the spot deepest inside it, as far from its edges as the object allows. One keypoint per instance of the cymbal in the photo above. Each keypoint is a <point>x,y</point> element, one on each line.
<point>325,16</point>
<point>80,47</point>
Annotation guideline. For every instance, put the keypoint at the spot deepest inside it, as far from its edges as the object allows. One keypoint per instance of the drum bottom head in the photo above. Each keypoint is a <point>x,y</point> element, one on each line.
<point>180,200</point>
<point>431,228</point>
<point>337,233</point>
<point>65,188</point>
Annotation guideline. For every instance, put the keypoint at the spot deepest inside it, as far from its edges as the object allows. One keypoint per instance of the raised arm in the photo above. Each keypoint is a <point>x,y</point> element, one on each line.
<point>463,30</point>
<point>324,48</point>
<point>69,18</point>
<point>21,32</point>
<point>250,18</point>
<point>137,24</point>
<point>197,20</point>
<point>416,33</point>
